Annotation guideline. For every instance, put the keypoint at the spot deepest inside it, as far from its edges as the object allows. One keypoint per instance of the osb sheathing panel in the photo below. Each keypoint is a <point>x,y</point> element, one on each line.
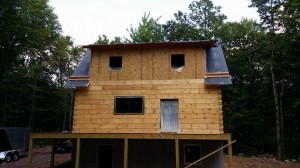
<point>148,64</point>
<point>200,110</point>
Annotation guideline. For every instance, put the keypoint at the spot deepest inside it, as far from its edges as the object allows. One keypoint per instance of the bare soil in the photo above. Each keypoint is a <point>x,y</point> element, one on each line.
<point>258,162</point>
<point>41,159</point>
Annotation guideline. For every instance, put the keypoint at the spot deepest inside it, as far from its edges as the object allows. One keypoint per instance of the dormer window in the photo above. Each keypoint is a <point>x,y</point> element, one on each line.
<point>177,61</point>
<point>115,63</point>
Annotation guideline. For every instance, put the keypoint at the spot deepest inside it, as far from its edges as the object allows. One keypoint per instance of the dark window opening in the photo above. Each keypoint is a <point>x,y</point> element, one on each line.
<point>177,61</point>
<point>105,156</point>
<point>129,105</point>
<point>115,63</point>
<point>191,153</point>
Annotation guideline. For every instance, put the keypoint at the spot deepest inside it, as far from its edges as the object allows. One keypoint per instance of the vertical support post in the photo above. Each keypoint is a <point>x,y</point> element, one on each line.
<point>77,153</point>
<point>230,163</point>
<point>30,152</point>
<point>52,154</point>
<point>125,153</point>
<point>177,152</point>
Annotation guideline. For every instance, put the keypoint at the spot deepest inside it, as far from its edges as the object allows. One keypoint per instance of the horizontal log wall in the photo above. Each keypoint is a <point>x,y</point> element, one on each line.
<point>200,107</point>
<point>148,64</point>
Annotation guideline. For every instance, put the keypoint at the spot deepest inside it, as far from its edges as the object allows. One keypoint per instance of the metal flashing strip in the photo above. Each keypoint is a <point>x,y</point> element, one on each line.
<point>77,83</point>
<point>218,81</point>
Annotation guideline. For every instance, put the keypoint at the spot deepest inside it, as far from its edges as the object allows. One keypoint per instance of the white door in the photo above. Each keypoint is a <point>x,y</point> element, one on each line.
<point>169,115</point>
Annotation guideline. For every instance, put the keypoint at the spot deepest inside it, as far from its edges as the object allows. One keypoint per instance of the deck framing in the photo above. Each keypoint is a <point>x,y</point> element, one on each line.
<point>126,137</point>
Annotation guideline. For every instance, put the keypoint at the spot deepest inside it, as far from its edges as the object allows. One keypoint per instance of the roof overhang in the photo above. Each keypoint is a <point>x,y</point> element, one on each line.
<point>170,44</point>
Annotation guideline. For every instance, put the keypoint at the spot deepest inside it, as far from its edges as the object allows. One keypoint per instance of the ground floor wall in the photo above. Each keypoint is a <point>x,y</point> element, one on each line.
<point>148,153</point>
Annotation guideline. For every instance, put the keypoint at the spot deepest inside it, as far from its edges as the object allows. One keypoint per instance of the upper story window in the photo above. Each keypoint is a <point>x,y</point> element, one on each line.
<point>115,63</point>
<point>177,61</point>
<point>129,105</point>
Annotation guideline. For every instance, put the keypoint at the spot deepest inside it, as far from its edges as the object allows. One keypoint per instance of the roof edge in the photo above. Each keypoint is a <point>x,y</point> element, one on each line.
<point>199,43</point>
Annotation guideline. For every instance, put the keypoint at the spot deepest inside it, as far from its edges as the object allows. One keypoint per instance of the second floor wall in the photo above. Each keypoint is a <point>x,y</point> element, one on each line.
<point>148,64</point>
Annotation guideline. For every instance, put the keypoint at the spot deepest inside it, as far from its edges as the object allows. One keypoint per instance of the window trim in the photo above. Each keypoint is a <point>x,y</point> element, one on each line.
<point>143,105</point>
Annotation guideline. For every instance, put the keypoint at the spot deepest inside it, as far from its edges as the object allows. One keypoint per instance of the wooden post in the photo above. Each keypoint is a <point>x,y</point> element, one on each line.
<point>77,153</point>
<point>177,152</point>
<point>230,163</point>
<point>30,152</point>
<point>52,154</point>
<point>125,153</point>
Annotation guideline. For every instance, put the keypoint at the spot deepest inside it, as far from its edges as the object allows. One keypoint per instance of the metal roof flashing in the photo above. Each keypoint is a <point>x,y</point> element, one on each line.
<point>80,77</point>
<point>216,66</point>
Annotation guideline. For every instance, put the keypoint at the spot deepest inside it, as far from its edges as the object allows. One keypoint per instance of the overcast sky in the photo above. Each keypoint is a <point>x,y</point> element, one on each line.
<point>85,20</point>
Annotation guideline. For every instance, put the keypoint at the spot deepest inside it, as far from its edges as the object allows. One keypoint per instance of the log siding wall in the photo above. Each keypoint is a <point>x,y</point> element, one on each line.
<point>200,107</point>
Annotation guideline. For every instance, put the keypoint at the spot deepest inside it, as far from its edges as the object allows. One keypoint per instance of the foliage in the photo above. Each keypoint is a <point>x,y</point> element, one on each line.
<point>35,61</point>
<point>149,30</point>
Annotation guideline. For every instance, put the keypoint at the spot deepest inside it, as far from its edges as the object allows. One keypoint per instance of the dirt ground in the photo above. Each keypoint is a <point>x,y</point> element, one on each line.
<point>41,159</point>
<point>255,162</point>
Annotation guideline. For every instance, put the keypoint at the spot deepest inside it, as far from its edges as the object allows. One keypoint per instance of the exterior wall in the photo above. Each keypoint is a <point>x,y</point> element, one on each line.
<point>148,64</point>
<point>200,107</point>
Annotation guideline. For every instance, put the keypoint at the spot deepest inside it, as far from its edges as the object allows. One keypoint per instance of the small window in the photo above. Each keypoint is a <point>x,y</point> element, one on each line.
<point>192,153</point>
<point>177,61</point>
<point>129,105</point>
<point>115,63</point>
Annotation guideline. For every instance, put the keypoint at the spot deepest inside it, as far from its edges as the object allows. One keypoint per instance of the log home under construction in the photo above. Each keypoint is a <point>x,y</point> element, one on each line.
<point>149,105</point>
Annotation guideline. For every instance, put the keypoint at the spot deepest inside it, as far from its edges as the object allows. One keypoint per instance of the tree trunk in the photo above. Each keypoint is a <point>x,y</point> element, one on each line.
<point>278,132</point>
<point>281,122</point>
<point>279,125</point>
<point>33,106</point>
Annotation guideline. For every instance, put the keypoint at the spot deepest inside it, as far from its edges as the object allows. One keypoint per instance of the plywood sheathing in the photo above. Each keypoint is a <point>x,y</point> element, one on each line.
<point>148,64</point>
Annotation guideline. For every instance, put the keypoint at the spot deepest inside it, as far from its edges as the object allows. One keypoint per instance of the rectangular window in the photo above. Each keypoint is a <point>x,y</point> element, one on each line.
<point>115,63</point>
<point>129,105</point>
<point>192,153</point>
<point>177,61</point>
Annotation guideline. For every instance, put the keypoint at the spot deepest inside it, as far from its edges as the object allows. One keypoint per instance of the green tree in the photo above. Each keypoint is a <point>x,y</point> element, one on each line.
<point>199,24</point>
<point>149,30</point>
<point>102,39</point>
<point>33,54</point>
<point>269,11</point>
<point>206,17</point>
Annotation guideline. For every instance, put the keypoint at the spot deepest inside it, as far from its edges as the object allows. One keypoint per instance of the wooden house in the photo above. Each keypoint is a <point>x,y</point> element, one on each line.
<point>150,105</point>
